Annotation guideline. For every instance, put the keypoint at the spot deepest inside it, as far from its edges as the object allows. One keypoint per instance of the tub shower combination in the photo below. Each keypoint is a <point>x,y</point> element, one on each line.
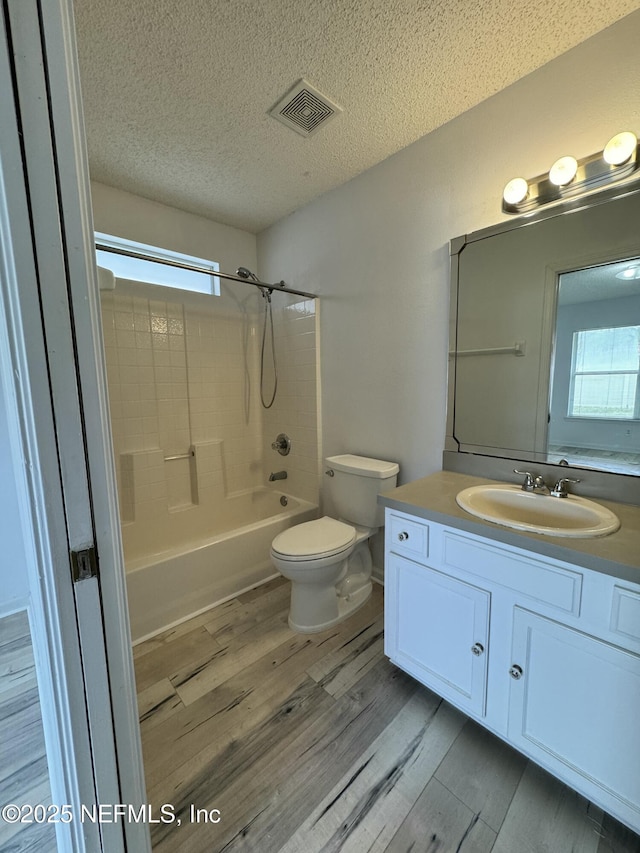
<point>172,585</point>
<point>193,445</point>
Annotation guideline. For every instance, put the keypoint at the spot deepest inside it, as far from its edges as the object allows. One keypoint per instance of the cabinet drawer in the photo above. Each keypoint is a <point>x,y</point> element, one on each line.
<point>408,536</point>
<point>541,581</point>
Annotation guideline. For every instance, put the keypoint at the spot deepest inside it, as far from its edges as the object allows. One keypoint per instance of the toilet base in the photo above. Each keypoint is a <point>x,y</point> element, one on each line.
<point>346,605</point>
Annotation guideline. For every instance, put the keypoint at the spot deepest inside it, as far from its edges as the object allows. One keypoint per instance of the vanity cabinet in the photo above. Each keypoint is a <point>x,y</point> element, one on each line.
<point>544,653</point>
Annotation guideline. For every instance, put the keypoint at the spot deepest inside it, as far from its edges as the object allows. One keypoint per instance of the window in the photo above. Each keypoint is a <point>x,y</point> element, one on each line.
<point>604,373</point>
<point>150,268</point>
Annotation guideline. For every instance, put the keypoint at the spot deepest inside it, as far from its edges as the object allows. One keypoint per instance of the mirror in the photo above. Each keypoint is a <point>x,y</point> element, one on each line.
<point>546,336</point>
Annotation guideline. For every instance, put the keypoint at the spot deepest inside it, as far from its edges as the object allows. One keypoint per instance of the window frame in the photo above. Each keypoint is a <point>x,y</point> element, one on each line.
<point>158,256</point>
<point>625,372</point>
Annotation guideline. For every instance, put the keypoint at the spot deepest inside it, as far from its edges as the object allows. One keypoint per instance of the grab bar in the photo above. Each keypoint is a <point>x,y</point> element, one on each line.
<point>179,456</point>
<point>517,349</point>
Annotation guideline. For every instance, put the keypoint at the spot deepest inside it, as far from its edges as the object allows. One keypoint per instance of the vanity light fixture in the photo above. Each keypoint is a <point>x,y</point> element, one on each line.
<point>570,177</point>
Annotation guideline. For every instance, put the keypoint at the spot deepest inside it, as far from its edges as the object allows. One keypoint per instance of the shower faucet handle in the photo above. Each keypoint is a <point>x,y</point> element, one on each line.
<point>282,444</point>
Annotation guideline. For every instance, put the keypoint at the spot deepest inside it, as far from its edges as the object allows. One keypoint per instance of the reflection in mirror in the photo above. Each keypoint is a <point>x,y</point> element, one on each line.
<point>594,412</point>
<point>546,318</point>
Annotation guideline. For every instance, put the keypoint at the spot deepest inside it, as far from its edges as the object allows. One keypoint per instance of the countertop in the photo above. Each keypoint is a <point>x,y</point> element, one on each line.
<point>434,498</point>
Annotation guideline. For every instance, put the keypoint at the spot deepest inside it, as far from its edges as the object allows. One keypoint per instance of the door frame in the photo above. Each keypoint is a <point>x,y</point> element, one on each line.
<point>55,389</point>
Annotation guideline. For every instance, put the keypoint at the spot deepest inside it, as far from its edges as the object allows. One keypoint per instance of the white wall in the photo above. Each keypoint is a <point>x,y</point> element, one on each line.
<point>376,249</point>
<point>123,214</point>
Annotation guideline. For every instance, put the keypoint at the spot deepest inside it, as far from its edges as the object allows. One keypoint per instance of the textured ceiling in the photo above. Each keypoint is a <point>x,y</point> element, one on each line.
<point>176,94</point>
<point>596,283</point>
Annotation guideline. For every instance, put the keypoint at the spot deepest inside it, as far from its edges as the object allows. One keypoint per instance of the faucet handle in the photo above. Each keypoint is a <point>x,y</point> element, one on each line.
<point>282,444</point>
<point>560,490</point>
<point>528,479</point>
<point>531,481</point>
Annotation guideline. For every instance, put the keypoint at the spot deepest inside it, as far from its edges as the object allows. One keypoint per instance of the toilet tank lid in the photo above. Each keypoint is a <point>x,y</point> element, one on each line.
<point>363,466</point>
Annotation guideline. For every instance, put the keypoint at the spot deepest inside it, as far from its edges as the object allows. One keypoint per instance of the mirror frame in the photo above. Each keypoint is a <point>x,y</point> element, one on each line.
<point>626,487</point>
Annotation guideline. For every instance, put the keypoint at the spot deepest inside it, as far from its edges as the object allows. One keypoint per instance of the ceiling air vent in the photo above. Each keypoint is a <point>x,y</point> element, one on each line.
<point>304,109</point>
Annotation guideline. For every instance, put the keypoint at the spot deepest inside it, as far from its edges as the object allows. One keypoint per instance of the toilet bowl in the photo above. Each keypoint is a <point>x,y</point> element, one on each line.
<point>329,565</point>
<point>328,560</point>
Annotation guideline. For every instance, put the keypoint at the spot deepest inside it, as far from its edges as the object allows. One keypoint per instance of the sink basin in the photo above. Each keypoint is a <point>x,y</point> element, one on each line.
<point>510,506</point>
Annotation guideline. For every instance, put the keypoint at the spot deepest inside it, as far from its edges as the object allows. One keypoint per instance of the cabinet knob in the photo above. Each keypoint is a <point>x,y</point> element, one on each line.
<point>515,671</point>
<point>403,536</point>
<point>477,649</point>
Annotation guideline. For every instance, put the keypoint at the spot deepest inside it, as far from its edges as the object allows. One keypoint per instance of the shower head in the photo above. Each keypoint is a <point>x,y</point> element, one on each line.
<point>246,274</point>
<point>243,272</point>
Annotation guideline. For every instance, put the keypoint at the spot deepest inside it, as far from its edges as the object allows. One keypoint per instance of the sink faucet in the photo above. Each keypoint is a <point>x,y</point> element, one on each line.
<point>278,475</point>
<point>560,489</point>
<point>532,482</point>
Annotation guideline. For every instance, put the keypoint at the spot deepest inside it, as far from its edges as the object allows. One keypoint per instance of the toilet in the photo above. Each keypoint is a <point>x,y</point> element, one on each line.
<point>328,560</point>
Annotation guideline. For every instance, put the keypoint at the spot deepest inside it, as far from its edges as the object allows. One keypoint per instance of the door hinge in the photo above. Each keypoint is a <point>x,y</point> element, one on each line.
<point>84,564</point>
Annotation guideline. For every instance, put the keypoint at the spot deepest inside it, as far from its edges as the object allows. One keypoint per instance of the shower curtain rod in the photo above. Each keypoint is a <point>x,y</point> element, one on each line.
<point>277,288</point>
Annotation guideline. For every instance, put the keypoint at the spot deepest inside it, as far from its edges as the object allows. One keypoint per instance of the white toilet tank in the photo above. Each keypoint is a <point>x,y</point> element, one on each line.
<point>355,483</point>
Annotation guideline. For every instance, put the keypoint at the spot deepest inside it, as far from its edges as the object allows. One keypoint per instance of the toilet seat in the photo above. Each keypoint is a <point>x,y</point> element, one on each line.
<point>314,540</point>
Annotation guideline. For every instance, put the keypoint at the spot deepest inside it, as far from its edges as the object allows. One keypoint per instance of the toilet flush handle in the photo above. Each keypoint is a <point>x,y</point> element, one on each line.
<point>330,472</point>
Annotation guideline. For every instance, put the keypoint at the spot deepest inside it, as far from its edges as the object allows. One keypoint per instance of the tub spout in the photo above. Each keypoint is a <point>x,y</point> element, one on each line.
<point>278,475</point>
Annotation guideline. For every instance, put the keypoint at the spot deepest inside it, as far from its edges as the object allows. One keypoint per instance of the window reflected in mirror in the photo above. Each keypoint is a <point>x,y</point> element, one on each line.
<point>594,414</point>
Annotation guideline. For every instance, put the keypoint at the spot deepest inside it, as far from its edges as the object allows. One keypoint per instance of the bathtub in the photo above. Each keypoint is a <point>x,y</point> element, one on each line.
<point>175,584</point>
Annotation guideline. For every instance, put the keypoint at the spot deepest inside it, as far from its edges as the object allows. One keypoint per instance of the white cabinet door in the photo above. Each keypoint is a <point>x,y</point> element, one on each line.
<point>437,630</point>
<point>574,708</point>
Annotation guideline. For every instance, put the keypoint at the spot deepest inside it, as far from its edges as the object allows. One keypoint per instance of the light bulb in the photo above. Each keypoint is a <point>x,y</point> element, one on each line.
<point>515,191</point>
<point>619,148</point>
<point>563,171</point>
<point>630,273</point>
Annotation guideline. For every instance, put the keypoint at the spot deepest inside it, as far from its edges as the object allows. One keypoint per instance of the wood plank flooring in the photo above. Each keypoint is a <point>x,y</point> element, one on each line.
<point>316,743</point>
<point>24,773</point>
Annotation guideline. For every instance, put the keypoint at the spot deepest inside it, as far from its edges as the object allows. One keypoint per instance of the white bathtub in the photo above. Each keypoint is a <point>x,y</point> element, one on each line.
<point>168,587</point>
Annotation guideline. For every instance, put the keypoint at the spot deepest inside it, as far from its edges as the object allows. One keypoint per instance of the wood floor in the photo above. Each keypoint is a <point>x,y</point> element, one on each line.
<point>24,774</point>
<point>302,743</point>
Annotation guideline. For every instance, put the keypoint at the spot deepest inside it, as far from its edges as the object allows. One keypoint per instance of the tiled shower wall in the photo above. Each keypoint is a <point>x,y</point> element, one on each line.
<point>183,375</point>
<point>296,407</point>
